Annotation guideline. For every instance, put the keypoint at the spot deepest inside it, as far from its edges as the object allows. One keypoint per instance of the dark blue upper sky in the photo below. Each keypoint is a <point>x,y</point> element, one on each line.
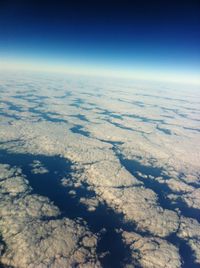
<point>156,34</point>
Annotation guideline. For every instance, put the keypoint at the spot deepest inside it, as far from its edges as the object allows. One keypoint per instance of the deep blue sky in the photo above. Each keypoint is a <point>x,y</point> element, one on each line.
<point>148,34</point>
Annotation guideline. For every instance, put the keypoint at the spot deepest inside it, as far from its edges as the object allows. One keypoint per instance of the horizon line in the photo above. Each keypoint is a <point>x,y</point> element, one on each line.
<point>21,64</point>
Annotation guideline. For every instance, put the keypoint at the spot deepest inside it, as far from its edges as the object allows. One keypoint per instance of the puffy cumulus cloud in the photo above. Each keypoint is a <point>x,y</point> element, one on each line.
<point>91,203</point>
<point>186,194</point>
<point>54,243</point>
<point>111,174</point>
<point>189,230</point>
<point>192,199</point>
<point>151,252</point>
<point>38,168</point>
<point>32,233</point>
<point>195,246</point>
<point>12,181</point>
<point>140,206</point>
<point>181,191</point>
<point>177,186</point>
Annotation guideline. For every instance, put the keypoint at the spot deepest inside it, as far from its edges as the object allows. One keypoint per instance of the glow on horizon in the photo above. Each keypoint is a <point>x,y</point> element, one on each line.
<point>21,64</point>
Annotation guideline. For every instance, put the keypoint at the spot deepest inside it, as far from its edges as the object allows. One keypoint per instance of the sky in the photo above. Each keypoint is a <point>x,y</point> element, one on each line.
<point>141,38</point>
